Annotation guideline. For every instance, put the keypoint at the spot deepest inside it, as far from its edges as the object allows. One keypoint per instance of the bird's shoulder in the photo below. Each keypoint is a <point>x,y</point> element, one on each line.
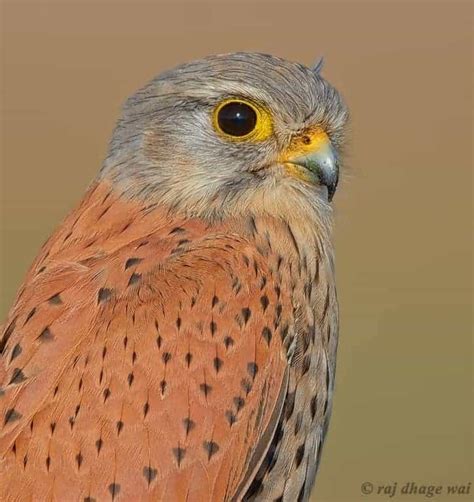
<point>162,336</point>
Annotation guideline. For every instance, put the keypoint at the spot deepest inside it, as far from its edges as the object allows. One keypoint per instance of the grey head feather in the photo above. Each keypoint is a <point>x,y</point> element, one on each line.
<point>164,147</point>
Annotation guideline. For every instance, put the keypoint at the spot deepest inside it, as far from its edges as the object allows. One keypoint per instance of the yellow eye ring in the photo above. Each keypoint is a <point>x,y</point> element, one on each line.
<point>240,120</point>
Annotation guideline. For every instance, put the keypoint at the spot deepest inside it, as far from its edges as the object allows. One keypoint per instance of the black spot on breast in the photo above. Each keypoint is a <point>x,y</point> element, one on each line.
<point>228,342</point>
<point>211,448</point>
<point>143,243</point>
<point>267,334</point>
<point>299,455</point>
<point>11,416</point>
<point>218,364</point>
<point>246,385</point>
<point>79,459</point>
<point>176,230</point>
<point>132,262</point>
<point>106,394</point>
<point>55,299</point>
<point>188,358</point>
<point>231,417</point>
<point>279,262</point>
<point>134,279</point>
<point>130,379</point>
<point>188,425</point>
<point>205,388</point>
<point>119,426</point>
<point>252,369</point>
<point>104,295</point>
<point>255,268</point>
<point>264,301</point>
<point>239,403</point>
<point>146,409</point>
<point>166,357</point>
<point>150,474</point>
<point>215,301</point>
<point>17,377</point>
<point>163,385</point>
<point>89,499</point>
<point>46,335</point>
<point>213,328</point>
<point>246,313</point>
<point>236,285</point>
<point>179,454</point>
<point>114,489</point>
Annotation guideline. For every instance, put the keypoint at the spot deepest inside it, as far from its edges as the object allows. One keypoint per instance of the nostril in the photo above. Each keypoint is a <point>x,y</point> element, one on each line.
<point>306,140</point>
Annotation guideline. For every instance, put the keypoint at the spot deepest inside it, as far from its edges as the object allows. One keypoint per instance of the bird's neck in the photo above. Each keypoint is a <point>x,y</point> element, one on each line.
<point>295,239</point>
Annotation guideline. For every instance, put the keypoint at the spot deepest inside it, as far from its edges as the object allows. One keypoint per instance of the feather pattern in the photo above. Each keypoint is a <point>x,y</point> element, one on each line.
<point>148,359</point>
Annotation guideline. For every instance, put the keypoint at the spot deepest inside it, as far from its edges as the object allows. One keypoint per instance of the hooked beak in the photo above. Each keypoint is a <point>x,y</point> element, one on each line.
<point>320,163</point>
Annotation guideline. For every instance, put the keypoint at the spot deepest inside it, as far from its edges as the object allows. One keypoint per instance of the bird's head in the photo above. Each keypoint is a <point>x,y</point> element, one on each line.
<point>229,134</point>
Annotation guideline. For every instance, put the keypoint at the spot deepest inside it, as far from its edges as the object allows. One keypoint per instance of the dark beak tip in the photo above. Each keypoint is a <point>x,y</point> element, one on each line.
<point>331,185</point>
<point>331,192</point>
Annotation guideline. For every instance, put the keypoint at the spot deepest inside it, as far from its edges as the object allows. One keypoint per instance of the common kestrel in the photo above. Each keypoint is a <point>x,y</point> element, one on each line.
<point>175,339</point>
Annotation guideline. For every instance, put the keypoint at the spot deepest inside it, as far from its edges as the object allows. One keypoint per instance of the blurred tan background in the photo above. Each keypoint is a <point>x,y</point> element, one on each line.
<point>403,406</point>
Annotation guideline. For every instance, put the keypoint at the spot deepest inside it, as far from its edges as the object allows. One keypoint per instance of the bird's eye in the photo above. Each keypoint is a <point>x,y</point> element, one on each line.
<point>237,119</point>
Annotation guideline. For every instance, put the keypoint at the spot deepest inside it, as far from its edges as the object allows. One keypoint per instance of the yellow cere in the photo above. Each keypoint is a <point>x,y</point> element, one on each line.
<point>307,142</point>
<point>303,144</point>
<point>263,128</point>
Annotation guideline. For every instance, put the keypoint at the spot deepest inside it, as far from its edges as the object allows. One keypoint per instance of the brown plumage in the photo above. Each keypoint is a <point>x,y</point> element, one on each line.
<point>157,354</point>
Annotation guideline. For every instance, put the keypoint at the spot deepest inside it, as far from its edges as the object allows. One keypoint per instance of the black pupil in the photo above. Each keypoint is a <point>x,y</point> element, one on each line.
<point>237,119</point>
